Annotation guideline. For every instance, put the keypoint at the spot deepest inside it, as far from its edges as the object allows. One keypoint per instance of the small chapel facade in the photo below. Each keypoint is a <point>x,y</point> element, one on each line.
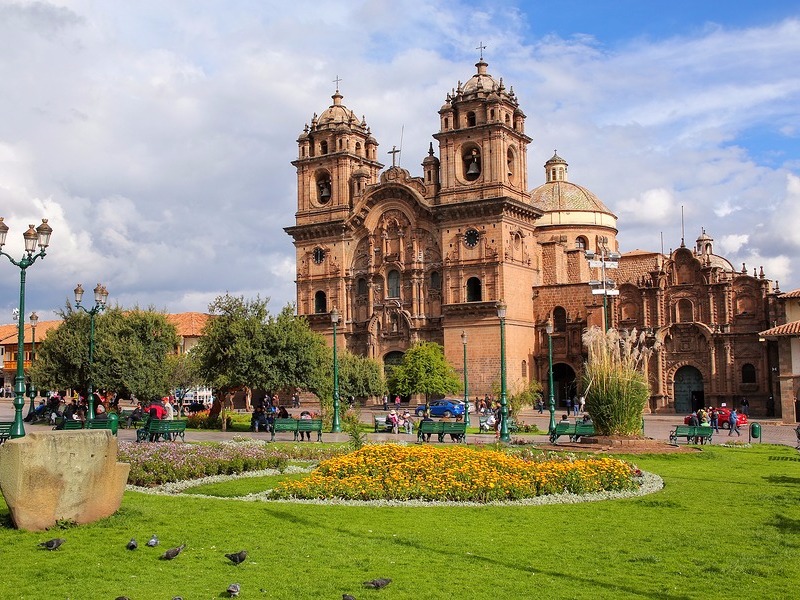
<point>407,258</point>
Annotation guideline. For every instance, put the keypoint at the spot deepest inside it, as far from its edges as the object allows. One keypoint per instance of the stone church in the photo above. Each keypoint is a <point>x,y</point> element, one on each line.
<point>407,258</point>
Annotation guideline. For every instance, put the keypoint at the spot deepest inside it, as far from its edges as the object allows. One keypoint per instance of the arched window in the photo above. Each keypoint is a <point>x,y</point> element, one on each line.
<point>393,284</point>
<point>323,187</point>
<point>358,148</point>
<point>474,293</point>
<point>524,369</point>
<point>323,148</point>
<point>471,163</point>
<point>510,164</point>
<point>320,302</point>
<point>436,280</point>
<point>471,119</point>
<point>581,243</point>
<point>748,373</point>
<point>361,286</point>
<point>447,123</point>
<point>559,319</point>
<point>684,311</point>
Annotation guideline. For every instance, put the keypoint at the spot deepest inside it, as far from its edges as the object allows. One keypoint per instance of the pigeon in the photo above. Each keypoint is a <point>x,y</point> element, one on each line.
<point>53,544</point>
<point>122,598</point>
<point>153,541</point>
<point>234,589</point>
<point>377,584</point>
<point>132,545</point>
<point>348,597</point>
<point>238,557</point>
<point>173,552</point>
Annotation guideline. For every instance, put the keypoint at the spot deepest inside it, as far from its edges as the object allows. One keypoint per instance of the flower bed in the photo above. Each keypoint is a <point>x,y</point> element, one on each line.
<point>156,463</point>
<point>395,472</point>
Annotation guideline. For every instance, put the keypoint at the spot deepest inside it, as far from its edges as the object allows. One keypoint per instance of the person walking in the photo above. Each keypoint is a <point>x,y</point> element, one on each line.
<point>582,402</point>
<point>733,421</point>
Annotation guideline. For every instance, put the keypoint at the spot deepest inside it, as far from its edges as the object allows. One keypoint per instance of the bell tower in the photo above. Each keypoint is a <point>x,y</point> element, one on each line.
<point>482,142</point>
<point>337,159</point>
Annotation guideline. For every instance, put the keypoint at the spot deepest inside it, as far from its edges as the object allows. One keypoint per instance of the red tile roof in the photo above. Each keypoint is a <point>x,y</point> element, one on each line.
<point>8,333</point>
<point>189,324</point>
<point>786,330</point>
<point>792,294</point>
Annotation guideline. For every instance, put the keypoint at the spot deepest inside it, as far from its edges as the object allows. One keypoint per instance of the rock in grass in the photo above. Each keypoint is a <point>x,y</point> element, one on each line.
<point>53,544</point>
<point>237,557</point>
<point>173,552</point>
<point>234,589</point>
<point>377,584</point>
<point>132,545</point>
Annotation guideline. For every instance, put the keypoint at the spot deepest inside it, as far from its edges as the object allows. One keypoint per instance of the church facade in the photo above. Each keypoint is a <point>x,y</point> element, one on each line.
<point>407,258</point>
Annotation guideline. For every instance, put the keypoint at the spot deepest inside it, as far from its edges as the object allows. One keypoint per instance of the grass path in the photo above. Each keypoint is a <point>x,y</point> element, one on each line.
<point>726,525</point>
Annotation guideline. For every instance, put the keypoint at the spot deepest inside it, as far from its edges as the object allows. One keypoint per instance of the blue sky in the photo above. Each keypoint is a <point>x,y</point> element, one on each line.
<point>157,136</point>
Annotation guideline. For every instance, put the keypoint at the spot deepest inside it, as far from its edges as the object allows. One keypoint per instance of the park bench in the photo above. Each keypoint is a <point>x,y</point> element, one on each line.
<point>102,424</point>
<point>296,426</point>
<point>442,428</point>
<point>70,424</point>
<point>483,425</point>
<point>692,433</point>
<point>125,414</point>
<point>380,423</point>
<point>166,430</point>
<point>5,430</point>
<point>574,430</point>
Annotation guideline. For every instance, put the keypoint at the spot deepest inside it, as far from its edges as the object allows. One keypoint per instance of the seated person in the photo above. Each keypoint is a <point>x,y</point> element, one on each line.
<point>282,413</point>
<point>136,416</point>
<point>100,413</point>
<point>408,423</point>
<point>564,419</point>
<point>587,420</point>
<point>258,421</point>
<point>305,416</point>
<point>426,436</point>
<point>491,421</point>
<point>392,421</point>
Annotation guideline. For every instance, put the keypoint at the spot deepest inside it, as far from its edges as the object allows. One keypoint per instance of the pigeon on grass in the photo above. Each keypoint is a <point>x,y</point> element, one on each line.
<point>237,558</point>
<point>348,597</point>
<point>377,584</point>
<point>132,545</point>
<point>53,544</point>
<point>153,541</point>
<point>234,589</point>
<point>173,552</point>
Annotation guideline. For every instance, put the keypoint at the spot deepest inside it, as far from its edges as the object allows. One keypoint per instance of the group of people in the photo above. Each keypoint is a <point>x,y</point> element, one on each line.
<point>709,417</point>
<point>396,421</point>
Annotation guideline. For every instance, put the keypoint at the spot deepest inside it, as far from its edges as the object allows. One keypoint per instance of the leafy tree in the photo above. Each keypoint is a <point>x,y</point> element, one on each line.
<point>130,352</point>
<point>425,370</point>
<point>183,373</point>
<point>359,376</point>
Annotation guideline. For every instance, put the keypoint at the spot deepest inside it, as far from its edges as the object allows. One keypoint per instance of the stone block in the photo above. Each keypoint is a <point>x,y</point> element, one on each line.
<point>61,475</point>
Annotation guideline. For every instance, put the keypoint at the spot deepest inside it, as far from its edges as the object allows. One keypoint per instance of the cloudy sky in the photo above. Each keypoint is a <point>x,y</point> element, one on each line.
<point>157,137</point>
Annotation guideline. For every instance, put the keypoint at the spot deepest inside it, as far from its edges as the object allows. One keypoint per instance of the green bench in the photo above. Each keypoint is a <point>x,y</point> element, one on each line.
<point>693,433</point>
<point>70,424</point>
<point>5,430</point>
<point>456,430</point>
<point>483,425</point>
<point>126,414</point>
<point>158,428</point>
<point>102,424</point>
<point>574,430</point>
<point>296,426</point>
<point>380,423</point>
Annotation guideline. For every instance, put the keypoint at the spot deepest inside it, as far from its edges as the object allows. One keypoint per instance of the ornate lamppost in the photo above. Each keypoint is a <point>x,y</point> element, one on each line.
<point>100,299</point>
<point>551,403</point>
<point>466,389</point>
<point>501,313</point>
<point>336,427</point>
<point>34,319</point>
<point>604,260</point>
<point>39,236</point>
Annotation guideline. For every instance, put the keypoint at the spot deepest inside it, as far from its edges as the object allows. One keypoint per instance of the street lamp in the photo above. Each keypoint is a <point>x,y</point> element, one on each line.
<point>501,312</point>
<point>604,260</point>
<point>551,403</point>
<point>336,428</point>
<point>34,319</point>
<point>39,236</point>
<point>100,299</point>
<point>466,389</point>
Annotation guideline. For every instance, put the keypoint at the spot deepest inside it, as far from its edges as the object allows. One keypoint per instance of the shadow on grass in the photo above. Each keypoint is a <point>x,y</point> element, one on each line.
<point>786,525</point>
<point>782,479</point>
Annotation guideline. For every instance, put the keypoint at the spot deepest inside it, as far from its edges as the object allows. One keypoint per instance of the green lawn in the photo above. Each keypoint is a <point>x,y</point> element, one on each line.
<point>726,525</point>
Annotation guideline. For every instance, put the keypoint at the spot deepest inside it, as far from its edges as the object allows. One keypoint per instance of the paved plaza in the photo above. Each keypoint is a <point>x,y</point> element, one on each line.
<point>656,427</point>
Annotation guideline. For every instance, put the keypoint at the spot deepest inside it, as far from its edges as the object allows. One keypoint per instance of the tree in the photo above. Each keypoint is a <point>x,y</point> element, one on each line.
<point>130,352</point>
<point>359,376</point>
<point>182,374</point>
<point>425,370</point>
<point>616,388</point>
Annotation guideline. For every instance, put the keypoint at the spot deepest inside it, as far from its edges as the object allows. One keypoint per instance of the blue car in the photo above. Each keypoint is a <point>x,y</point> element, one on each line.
<point>442,408</point>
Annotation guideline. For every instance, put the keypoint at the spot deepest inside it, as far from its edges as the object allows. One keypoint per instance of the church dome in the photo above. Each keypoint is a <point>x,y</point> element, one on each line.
<point>481,82</point>
<point>338,117</point>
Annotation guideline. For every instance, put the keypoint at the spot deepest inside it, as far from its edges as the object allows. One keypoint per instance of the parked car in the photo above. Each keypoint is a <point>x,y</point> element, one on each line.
<point>723,415</point>
<point>442,408</point>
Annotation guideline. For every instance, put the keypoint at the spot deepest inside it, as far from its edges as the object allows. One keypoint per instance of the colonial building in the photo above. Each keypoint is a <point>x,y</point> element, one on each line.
<point>405,258</point>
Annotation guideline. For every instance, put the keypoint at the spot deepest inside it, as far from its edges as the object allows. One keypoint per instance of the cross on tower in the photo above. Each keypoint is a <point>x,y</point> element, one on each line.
<point>481,47</point>
<point>394,152</point>
<point>336,81</point>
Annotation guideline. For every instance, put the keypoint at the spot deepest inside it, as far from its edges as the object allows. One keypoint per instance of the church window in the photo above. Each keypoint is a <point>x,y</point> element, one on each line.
<point>323,188</point>
<point>559,319</point>
<point>491,114</point>
<point>361,286</point>
<point>446,123</point>
<point>323,148</point>
<point>474,292</point>
<point>580,243</point>
<point>471,119</point>
<point>684,311</point>
<point>510,164</point>
<point>748,373</point>
<point>508,120</point>
<point>436,280</point>
<point>358,148</point>
<point>471,164</point>
<point>320,302</point>
<point>341,144</point>
<point>393,286</point>
<point>524,369</point>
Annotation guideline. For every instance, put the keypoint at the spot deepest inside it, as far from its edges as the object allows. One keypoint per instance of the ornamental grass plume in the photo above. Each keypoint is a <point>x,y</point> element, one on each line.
<point>616,388</point>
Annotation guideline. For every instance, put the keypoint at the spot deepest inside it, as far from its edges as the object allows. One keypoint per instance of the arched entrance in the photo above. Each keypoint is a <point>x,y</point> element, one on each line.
<point>688,390</point>
<point>563,384</point>
<point>390,361</point>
